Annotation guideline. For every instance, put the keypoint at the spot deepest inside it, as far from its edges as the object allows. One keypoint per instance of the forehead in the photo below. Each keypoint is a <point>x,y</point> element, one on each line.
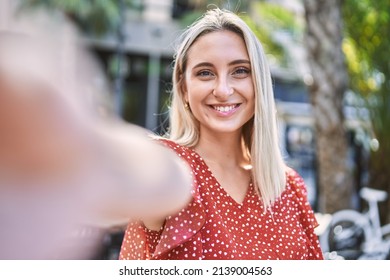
<point>218,45</point>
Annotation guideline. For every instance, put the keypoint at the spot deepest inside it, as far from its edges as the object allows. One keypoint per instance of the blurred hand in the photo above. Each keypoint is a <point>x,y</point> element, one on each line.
<point>63,166</point>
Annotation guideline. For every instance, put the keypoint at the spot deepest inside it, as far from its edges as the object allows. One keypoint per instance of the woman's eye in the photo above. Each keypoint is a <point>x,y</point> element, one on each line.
<point>204,73</point>
<point>242,71</point>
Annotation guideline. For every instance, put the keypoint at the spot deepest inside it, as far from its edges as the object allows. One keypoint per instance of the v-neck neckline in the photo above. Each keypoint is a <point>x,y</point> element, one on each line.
<point>223,190</point>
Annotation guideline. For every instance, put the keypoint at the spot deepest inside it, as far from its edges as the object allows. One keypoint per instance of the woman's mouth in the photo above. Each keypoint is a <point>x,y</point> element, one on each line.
<point>225,109</point>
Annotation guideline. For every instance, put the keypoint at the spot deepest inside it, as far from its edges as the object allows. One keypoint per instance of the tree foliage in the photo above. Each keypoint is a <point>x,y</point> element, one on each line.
<point>367,26</point>
<point>268,21</point>
<point>366,46</point>
<point>93,16</point>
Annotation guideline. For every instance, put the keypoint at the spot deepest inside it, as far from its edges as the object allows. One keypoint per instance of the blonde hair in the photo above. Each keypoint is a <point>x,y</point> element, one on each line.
<point>260,134</point>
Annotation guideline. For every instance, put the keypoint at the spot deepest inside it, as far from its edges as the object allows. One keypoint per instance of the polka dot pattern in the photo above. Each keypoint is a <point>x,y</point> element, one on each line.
<point>215,226</point>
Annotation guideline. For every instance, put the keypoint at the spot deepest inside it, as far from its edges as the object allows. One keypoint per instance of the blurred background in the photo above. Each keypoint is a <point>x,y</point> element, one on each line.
<point>331,74</point>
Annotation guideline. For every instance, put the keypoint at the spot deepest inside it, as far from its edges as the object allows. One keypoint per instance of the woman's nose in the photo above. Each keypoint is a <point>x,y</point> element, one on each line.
<point>222,89</point>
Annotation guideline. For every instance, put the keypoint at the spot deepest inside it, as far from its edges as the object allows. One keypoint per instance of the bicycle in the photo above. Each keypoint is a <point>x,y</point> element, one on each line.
<point>355,235</point>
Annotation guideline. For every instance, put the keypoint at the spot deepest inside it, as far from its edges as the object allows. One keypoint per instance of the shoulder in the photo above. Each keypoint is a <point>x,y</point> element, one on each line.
<point>295,182</point>
<point>296,196</point>
<point>169,143</point>
<point>184,152</point>
<point>297,190</point>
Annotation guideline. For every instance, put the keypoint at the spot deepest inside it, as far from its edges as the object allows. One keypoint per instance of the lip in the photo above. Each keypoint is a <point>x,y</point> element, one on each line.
<point>224,110</point>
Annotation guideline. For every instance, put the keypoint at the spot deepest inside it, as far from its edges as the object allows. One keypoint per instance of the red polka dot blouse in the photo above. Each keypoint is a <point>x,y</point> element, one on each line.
<point>215,226</point>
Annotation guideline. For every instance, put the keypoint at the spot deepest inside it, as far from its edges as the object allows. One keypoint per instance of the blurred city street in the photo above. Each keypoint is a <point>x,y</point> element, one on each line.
<point>333,115</point>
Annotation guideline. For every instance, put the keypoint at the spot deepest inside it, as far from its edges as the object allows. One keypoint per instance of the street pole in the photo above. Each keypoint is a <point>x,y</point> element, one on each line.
<point>152,103</point>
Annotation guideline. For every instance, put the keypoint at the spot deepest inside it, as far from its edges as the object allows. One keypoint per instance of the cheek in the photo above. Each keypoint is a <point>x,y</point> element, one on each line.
<point>196,92</point>
<point>251,99</point>
<point>249,92</point>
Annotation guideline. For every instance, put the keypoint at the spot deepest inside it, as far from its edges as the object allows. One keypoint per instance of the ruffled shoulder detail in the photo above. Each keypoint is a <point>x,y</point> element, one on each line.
<point>296,185</point>
<point>298,188</point>
<point>184,225</point>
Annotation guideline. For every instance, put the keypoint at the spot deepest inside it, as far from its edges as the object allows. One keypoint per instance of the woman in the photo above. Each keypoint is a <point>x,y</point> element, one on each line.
<point>246,203</point>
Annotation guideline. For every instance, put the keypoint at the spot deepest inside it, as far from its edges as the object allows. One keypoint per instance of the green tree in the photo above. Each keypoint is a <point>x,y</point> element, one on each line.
<point>265,19</point>
<point>268,20</point>
<point>97,18</point>
<point>367,45</point>
<point>92,16</point>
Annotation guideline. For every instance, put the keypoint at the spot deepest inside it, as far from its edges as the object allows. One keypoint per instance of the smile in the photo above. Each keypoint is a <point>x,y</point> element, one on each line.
<point>225,108</point>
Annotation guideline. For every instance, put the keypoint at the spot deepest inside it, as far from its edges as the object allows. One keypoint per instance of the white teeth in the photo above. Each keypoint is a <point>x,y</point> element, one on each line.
<point>224,108</point>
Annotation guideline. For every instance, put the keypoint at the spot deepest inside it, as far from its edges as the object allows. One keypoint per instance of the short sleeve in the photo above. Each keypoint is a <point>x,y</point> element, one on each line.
<point>306,213</point>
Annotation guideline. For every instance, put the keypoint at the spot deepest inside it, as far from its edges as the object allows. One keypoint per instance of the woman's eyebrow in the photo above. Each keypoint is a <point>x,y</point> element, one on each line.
<point>234,62</point>
<point>203,64</point>
<point>239,61</point>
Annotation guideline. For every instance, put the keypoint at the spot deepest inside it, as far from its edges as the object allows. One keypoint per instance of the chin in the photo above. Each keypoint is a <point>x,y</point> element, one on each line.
<point>225,129</point>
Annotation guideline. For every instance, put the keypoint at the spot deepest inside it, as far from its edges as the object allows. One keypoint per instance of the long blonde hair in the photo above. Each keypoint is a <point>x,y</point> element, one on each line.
<point>260,134</point>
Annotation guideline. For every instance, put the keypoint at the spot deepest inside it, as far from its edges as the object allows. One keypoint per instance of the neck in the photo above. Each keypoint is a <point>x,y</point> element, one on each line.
<point>223,149</point>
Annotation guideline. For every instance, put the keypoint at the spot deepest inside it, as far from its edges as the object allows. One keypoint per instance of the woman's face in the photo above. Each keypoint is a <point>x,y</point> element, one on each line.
<point>218,83</point>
